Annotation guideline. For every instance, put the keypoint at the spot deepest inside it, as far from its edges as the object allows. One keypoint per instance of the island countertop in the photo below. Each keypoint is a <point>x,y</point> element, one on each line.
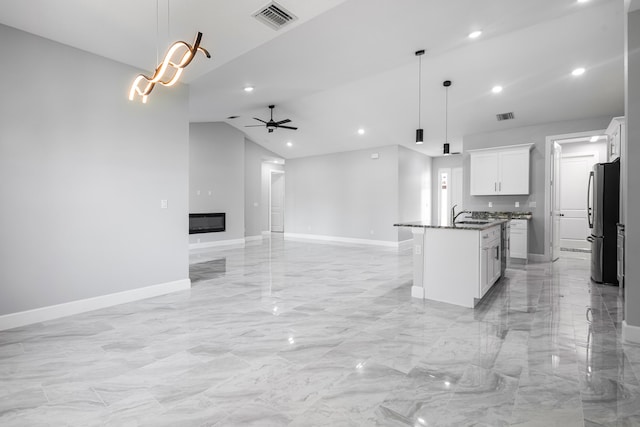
<point>466,224</point>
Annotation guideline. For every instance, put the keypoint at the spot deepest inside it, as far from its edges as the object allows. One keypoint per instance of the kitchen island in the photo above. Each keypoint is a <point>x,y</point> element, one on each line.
<point>456,264</point>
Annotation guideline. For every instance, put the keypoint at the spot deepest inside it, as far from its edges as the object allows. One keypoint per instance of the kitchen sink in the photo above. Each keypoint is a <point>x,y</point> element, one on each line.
<point>474,222</point>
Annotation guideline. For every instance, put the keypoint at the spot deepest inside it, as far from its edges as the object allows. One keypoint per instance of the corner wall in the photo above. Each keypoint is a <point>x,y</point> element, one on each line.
<point>414,189</point>
<point>82,174</point>
<point>216,178</point>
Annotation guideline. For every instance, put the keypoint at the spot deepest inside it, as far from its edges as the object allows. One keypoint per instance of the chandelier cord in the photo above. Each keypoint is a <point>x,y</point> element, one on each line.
<point>419,90</point>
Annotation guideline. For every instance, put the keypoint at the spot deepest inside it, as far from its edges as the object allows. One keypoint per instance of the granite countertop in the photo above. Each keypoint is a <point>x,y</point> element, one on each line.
<point>501,215</point>
<point>465,224</point>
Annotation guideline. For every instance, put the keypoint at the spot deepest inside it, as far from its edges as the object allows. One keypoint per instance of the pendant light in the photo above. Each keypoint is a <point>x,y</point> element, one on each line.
<point>419,131</point>
<point>167,73</point>
<point>446,149</point>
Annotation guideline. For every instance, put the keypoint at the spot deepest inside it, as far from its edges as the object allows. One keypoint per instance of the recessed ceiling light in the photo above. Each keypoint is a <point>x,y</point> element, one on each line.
<point>594,138</point>
<point>289,144</point>
<point>360,131</point>
<point>248,89</point>
<point>582,1</point>
<point>475,34</point>
<point>496,89</point>
<point>578,71</point>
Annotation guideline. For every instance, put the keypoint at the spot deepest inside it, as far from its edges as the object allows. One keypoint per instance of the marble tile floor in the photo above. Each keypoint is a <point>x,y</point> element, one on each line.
<point>290,333</point>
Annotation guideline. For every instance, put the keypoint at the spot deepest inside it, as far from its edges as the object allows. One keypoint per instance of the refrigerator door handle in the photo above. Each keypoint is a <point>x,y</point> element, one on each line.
<point>590,239</point>
<point>589,201</point>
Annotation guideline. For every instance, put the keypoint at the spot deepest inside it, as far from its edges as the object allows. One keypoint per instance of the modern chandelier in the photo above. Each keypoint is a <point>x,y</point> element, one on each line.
<point>169,70</point>
<point>446,148</point>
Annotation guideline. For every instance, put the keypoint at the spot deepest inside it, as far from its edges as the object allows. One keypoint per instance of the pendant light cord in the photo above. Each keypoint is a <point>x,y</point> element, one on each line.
<point>419,89</point>
<point>446,115</point>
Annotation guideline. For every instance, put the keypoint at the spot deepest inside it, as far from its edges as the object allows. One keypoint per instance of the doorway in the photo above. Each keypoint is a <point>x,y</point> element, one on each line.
<point>570,158</point>
<point>449,193</point>
<point>276,202</point>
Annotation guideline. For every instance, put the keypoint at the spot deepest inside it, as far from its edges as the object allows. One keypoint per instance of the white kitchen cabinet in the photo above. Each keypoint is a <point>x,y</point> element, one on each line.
<point>457,266</point>
<point>519,239</point>
<point>500,171</point>
<point>615,135</point>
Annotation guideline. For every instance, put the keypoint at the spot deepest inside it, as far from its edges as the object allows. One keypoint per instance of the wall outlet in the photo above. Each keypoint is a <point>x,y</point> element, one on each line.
<point>532,204</point>
<point>375,156</point>
<point>209,192</point>
<point>417,249</point>
<point>517,204</point>
<point>490,204</point>
<point>164,204</point>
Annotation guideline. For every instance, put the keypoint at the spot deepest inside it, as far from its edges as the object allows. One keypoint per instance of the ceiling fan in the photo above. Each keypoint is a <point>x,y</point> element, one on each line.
<point>271,124</point>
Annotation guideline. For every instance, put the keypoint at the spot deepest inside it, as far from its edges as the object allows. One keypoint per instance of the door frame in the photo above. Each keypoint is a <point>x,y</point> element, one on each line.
<point>275,172</point>
<point>548,195</point>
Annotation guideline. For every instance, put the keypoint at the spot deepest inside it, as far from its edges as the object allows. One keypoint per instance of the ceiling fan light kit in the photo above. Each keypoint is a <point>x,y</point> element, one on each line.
<point>419,131</point>
<point>272,125</point>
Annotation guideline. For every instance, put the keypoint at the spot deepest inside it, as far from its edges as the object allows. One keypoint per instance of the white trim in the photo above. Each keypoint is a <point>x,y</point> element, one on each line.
<point>293,236</point>
<point>51,312</point>
<point>275,172</point>
<point>215,243</point>
<point>405,244</point>
<point>630,333</point>
<point>252,238</point>
<point>549,140</point>
<point>417,292</point>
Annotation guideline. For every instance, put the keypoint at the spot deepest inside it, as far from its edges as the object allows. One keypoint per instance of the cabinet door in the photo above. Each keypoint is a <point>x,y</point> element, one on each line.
<point>614,143</point>
<point>484,173</point>
<point>496,261</point>
<point>518,243</point>
<point>485,265</point>
<point>514,172</point>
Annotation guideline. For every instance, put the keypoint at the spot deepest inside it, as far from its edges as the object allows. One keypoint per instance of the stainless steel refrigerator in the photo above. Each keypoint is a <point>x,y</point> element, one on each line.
<point>603,212</point>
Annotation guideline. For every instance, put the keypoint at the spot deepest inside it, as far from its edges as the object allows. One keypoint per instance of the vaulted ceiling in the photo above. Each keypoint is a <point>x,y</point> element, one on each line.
<point>350,64</point>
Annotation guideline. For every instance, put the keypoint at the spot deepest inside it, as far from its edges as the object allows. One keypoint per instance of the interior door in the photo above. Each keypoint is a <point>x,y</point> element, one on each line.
<point>277,202</point>
<point>555,201</point>
<point>574,226</point>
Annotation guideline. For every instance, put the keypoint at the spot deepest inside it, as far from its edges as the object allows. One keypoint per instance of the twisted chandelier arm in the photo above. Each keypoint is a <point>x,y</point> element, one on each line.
<point>161,74</point>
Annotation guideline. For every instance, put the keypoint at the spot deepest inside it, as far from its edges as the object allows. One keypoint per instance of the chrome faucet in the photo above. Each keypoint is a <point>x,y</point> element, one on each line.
<point>455,216</point>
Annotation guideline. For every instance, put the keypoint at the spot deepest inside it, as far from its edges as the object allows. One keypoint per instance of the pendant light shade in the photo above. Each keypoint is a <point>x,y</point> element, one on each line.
<point>446,149</point>
<point>419,131</point>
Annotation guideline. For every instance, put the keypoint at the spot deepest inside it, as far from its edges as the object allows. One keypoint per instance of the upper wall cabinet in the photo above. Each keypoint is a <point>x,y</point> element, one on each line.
<point>501,171</point>
<point>615,135</point>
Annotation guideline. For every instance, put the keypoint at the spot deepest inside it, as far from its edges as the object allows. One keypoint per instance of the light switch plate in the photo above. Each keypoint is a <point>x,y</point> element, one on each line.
<point>490,204</point>
<point>517,204</point>
<point>164,204</point>
<point>532,204</point>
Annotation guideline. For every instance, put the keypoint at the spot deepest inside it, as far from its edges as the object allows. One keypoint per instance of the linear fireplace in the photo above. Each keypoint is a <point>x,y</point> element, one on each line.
<point>207,223</point>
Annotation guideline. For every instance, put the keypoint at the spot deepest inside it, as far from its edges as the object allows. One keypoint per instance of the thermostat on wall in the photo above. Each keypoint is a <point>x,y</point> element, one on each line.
<point>375,155</point>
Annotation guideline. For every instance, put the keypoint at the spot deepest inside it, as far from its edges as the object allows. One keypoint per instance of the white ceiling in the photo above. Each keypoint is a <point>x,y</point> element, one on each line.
<point>347,64</point>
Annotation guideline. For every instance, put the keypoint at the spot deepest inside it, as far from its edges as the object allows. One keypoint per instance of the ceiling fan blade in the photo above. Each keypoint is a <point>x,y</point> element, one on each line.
<point>254,126</point>
<point>288,127</point>
<point>281,122</point>
<point>260,120</point>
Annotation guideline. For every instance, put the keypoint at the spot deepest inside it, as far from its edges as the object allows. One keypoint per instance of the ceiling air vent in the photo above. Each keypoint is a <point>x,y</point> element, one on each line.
<point>505,116</point>
<point>274,15</point>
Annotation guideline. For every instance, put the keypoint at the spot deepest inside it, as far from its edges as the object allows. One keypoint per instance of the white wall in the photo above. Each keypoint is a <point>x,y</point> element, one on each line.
<point>444,162</point>
<point>348,195</point>
<point>631,157</point>
<point>82,173</point>
<point>530,134</point>
<point>414,189</point>
<point>216,177</point>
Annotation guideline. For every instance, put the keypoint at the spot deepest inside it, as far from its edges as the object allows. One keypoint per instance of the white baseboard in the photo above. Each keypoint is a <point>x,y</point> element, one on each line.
<point>417,292</point>
<point>252,238</point>
<point>266,233</point>
<point>294,236</point>
<point>215,243</point>
<point>28,317</point>
<point>630,333</point>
